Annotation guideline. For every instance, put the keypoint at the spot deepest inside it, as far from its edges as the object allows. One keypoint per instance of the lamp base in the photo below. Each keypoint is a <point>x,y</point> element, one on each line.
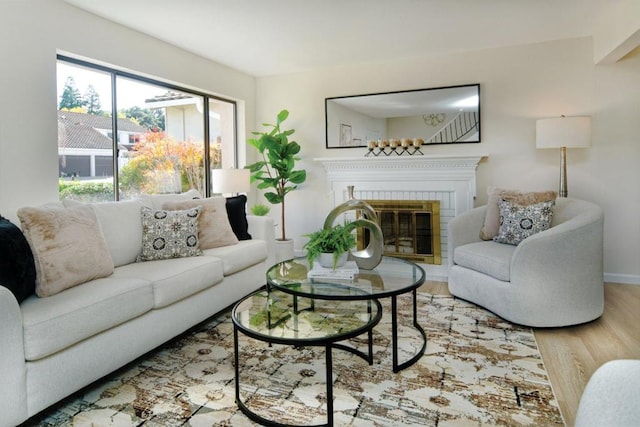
<point>563,172</point>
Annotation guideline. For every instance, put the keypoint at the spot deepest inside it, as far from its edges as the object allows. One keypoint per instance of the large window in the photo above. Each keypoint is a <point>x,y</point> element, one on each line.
<point>122,135</point>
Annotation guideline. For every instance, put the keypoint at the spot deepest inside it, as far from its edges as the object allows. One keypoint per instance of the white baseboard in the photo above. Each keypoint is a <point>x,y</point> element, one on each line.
<point>439,273</point>
<point>628,279</point>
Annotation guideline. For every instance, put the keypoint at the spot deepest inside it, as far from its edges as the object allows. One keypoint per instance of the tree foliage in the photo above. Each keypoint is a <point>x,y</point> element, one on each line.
<point>91,101</point>
<point>160,164</point>
<point>70,97</point>
<point>153,120</point>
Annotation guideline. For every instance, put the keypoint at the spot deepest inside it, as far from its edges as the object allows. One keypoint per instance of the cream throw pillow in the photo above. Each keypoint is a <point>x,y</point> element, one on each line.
<point>214,229</point>
<point>492,219</point>
<point>68,247</point>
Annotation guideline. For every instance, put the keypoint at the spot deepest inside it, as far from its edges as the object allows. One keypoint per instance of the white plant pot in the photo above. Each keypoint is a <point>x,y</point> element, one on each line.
<point>284,250</point>
<point>326,260</point>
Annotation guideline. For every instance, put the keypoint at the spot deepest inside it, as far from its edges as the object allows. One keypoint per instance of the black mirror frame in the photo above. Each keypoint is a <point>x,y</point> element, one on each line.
<point>363,143</point>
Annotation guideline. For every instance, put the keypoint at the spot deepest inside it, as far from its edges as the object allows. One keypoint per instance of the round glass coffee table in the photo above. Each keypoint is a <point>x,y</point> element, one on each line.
<point>392,277</point>
<point>273,317</point>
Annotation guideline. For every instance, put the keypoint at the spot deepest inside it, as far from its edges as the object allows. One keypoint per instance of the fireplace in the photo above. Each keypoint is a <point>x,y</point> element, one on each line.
<point>448,179</point>
<point>411,229</point>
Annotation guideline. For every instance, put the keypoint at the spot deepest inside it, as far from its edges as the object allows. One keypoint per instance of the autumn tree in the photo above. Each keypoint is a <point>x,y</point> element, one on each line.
<point>159,160</point>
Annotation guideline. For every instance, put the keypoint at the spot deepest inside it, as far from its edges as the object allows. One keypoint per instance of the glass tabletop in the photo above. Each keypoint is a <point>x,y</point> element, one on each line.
<point>270,316</point>
<point>392,276</point>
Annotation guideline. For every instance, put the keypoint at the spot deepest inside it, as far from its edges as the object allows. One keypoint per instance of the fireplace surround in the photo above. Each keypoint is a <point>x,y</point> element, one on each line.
<point>448,179</point>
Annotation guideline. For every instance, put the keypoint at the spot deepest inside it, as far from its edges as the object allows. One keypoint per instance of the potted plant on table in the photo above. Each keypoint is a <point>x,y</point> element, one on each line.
<point>275,171</point>
<point>330,245</point>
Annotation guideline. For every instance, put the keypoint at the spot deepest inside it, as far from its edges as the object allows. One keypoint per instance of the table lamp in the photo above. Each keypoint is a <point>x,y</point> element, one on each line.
<point>563,132</point>
<point>230,181</point>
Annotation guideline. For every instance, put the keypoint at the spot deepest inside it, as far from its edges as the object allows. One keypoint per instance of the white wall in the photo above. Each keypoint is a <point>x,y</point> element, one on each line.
<point>31,33</point>
<point>518,85</point>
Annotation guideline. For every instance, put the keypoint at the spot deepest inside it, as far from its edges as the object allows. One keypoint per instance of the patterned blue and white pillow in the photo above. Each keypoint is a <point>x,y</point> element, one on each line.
<point>169,234</point>
<point>518,222</point>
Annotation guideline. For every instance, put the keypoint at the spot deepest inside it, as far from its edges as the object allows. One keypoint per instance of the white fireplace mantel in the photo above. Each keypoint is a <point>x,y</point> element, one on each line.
<point>451,179</point>
<point>428,173</point>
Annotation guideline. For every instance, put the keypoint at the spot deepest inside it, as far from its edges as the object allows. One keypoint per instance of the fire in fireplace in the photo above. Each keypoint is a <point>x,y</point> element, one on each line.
<point>410,228</point>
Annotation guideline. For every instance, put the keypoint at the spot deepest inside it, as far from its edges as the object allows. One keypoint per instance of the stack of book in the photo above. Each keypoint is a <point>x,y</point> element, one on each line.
<point>347,272</point>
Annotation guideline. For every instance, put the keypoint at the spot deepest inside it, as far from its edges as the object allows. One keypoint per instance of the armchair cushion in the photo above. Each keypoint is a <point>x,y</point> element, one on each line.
<point>489,258</point>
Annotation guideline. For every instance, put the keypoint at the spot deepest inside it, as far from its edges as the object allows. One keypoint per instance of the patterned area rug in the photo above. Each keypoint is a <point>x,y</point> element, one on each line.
<point>478,370</point>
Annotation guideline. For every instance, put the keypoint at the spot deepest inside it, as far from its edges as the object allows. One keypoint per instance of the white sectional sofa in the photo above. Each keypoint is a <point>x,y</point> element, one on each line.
<point>53,346</point>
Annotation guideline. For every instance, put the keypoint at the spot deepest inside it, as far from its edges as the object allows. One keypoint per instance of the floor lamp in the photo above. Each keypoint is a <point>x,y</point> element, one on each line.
<point>563,132</point>
<point>232,181</point>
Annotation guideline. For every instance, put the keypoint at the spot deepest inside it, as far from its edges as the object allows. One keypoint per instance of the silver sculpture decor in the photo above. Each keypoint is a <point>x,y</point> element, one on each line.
<point>369,257</point>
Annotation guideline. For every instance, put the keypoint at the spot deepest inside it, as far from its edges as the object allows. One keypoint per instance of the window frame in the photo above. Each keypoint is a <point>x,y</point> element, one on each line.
<point>207,97</point>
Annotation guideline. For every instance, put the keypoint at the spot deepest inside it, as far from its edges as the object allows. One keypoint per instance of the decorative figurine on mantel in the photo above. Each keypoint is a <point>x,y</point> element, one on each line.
<point>397,146</point>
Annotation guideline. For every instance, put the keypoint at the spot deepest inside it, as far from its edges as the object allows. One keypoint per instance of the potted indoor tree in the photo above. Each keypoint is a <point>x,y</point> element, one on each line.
<point>275,170</point>
<point>330,245</point>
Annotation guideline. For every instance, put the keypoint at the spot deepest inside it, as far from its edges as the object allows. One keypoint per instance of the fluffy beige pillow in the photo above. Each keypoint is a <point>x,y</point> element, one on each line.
<point>214,229</point>
<point>492,219</point>
<point>68,247</point>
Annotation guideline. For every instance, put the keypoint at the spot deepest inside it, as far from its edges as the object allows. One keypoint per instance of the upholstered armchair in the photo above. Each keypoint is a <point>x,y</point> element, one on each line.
<point>552,278</point>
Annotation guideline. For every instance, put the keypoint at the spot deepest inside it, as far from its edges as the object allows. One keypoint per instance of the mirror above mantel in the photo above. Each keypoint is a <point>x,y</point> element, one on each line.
<point>443,115</point>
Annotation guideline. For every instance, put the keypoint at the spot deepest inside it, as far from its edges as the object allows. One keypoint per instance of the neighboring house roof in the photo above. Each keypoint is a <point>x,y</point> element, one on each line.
<point>79,130</point>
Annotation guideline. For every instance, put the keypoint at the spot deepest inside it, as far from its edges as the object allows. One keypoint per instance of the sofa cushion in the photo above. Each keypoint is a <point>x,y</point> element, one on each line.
<point>490,258</point>
<point>492,219</point>
<point>237,213</point>
<point>169,234</point>
<point>68,247</point>
<point>54,323</point>
<point>214,229</point>
<point>175,279</point>
<point>238,257</point>
<point>121,225</point>
<point>519,222</point>
<point>17,268</point>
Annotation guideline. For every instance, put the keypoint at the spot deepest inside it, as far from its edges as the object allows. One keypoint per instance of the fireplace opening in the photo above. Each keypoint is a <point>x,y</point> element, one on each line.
<point>410,228</point>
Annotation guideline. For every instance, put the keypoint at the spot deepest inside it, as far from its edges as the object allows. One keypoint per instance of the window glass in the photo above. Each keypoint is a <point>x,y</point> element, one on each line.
<point>158,139</point>
<point>85,127</point>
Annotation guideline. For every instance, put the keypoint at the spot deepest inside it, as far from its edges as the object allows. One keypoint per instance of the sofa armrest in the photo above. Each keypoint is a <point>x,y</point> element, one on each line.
<point>464,229</point>
<point>263,228</point>
<point>13,386</point>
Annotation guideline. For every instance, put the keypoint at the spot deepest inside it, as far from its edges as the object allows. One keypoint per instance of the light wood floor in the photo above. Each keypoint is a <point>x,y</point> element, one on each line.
<point>572,354</point>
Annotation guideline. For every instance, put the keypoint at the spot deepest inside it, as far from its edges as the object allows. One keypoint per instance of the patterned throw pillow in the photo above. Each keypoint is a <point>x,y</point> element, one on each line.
<point>518,222</point>
<point>169,234</point>
<point>491,222</point>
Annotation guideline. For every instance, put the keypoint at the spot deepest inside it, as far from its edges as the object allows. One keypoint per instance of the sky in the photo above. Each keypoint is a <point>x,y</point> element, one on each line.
<point>130,93</point>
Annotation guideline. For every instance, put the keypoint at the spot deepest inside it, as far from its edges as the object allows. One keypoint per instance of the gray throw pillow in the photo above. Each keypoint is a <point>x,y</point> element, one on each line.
<point>169,234</point>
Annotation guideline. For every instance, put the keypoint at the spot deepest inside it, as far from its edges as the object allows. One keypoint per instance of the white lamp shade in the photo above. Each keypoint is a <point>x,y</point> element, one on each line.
<point>230,181</point>
<point>571,132</point>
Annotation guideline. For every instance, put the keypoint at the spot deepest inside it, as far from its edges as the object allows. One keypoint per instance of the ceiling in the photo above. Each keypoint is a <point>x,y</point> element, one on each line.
<point>266,37</point>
